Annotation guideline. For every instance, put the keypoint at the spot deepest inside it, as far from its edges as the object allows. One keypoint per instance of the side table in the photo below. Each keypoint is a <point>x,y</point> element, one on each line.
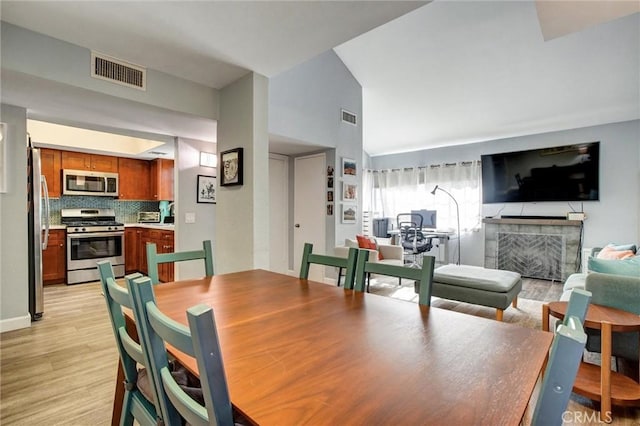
<point>599,383</point>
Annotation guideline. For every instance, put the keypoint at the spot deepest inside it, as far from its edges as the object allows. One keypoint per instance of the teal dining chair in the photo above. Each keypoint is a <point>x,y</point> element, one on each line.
<point>422,276</point>
<point>200,341</point>
<point>564,360</point>
<point>154,259</point>
<point>348,263</point>
<point>135,404</point>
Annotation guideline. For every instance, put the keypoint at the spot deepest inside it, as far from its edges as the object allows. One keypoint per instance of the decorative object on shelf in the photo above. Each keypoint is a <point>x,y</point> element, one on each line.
<point>349,213</point>
<point>457,215</point>
<point>231,166</point>
<point>330,196</point>
<point>206,189</point>
<point>348,167</point>
<point>349,191</point>
<point>330,182</point>
<point>208,159</point>
<point>329,171</point>
<point>329,209</point>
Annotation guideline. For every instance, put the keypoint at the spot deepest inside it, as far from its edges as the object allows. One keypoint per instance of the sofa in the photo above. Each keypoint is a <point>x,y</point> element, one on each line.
<point>614,283</point>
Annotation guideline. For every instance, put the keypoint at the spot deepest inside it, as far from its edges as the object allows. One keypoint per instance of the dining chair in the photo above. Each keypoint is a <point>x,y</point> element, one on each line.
<point>200,341</point>
<point>424,275</point>
<point>135,404</point>
<point>348,263</point>
<point>154,259</point>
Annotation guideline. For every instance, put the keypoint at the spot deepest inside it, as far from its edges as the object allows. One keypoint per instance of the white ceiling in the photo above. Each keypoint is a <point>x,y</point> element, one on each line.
<point>445,73</point>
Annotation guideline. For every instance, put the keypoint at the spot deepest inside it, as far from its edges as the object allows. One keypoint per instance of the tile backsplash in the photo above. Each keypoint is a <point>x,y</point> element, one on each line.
<point>126,211</point>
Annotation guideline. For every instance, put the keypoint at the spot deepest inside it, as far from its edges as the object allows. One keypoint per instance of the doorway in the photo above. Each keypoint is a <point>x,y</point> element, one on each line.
<point>278,213</point>
<point>309,210</point>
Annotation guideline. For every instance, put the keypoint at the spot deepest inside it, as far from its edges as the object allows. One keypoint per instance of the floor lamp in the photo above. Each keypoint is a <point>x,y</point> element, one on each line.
<point>457,214</point>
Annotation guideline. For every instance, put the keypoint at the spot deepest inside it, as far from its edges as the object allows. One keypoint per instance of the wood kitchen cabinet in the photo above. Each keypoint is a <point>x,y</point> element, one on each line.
<point>161,177</point>
<point>54,258</point>
<point>50,167</point>
<point>131,249</point>
<point>83,161</point>
<point>134,182</point>
<point>164,242</point>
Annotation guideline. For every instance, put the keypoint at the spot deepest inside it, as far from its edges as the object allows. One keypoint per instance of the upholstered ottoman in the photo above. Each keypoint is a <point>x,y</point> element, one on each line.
<point>479,286</point>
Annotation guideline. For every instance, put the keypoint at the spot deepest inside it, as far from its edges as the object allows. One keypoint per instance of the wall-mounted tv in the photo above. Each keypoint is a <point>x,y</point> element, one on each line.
<point>560,173</point>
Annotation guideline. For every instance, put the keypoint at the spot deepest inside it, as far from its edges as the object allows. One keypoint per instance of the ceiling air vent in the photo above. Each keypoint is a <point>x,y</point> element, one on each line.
<point>107,68</point>
<point>349,117</point>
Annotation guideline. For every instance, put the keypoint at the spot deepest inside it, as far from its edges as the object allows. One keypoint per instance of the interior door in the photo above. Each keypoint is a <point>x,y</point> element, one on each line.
<point>278,213</point>
<point>309,210</point>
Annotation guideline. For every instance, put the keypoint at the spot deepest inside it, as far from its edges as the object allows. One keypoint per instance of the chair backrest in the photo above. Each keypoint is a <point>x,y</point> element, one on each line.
<point>130,351</point>
<point>199,340</point>
<point>564,360</point>
<point>154,258</point>
<point>339,262</point>
<point>423,275</point>
<point>409,221</point>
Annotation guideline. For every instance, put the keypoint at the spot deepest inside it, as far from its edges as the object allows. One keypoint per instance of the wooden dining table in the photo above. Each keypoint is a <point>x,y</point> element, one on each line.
<point>298,352</point>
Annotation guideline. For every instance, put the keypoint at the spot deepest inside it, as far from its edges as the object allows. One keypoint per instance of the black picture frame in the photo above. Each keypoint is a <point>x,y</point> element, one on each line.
<point>206,189</point>
<point>231,168</point>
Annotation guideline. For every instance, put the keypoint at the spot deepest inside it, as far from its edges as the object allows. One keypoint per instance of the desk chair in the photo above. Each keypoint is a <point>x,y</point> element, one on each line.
<point>349,264</point>
<point>154,259</point>
<point>135,404</point>
<point>200,341</point>
<point>424,275</point>
<point>412,239</point>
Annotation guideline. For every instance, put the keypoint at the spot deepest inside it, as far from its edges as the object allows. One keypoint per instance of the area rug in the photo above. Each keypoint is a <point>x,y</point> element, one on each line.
<point>527,314</point>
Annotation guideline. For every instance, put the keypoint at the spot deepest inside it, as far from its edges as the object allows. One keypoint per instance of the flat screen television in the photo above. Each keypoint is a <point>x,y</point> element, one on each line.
<point>560,173</point>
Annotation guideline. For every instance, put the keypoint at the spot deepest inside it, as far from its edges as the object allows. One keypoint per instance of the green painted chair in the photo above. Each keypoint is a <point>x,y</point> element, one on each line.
<point>198,340</point>
<point>348,263</point>
<point>135,405</point>
<point>564,360</point>
<point>154,259</point>
<point>423,275</point>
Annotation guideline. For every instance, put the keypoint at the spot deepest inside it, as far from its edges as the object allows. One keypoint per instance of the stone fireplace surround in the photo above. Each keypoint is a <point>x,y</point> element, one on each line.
<point>543,248</point>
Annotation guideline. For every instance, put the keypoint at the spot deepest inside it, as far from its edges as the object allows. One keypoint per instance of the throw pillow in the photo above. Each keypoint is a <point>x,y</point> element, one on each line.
<point>609,252</point>
<point>631,247</point>
<point>367,243</point>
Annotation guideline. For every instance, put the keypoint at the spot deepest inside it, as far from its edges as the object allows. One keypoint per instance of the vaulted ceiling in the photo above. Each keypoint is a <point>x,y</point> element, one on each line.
<point>446,72</point>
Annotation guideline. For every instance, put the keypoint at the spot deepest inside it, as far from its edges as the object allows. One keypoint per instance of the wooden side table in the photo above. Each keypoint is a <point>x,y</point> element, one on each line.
<point>600,383</point>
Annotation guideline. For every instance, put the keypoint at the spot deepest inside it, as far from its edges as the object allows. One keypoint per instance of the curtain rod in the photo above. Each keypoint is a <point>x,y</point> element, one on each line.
<point>432,166</point>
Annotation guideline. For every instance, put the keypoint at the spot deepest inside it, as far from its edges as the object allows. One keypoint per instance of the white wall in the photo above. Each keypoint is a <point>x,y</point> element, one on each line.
<point>189,236</point>
<point>14,277</point>
<point>612,219</point>
<point>305,105</point>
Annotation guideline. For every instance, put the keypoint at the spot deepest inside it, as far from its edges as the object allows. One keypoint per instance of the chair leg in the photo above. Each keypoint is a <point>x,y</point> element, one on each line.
<point>339,276</point>
<point>368,281</point>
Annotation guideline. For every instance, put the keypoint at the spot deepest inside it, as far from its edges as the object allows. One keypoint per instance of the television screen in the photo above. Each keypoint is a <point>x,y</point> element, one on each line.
<point>428,218</point>
<point>562,173</point>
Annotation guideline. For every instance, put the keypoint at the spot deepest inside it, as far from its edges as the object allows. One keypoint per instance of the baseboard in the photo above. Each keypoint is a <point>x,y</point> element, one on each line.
<point>16,323</point>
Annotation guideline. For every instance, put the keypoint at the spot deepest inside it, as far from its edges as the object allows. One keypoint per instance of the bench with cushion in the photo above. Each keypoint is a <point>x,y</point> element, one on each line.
<point>480,286</point>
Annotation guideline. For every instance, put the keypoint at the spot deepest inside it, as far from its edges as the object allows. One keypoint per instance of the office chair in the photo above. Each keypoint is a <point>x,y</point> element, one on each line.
<point>412,239</point>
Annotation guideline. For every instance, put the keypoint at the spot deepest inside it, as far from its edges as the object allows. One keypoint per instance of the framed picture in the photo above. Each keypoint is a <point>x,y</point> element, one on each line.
<point>206,189</point>
<point>349,191</point>
<point>330,196</point>
<point>329,171</point>
<point>330,182</point>
<point>349,213</point>
<point>348,167</point>
<point>329,209</point>
<point>231,166</point>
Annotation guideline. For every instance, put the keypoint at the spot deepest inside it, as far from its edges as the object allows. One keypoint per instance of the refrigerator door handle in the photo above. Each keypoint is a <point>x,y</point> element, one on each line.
<point>47,222</point>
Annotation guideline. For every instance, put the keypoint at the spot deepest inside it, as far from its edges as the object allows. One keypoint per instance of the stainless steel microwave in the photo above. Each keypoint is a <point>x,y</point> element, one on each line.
<point>82,182</point>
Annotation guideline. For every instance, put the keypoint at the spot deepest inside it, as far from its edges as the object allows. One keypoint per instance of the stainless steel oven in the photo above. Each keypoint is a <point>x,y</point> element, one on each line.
<point>92,235</point>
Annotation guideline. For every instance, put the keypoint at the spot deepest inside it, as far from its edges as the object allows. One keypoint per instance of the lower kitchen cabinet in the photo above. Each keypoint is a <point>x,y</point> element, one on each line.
<point>54,258</point>
<point>164,241</point>
<point>131,248</point>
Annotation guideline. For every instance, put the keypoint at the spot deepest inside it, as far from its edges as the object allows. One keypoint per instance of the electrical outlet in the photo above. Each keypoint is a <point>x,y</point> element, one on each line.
<point>189,218</point>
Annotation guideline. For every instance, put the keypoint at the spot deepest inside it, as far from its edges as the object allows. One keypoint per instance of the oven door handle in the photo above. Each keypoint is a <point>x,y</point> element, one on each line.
<point>96,234</point>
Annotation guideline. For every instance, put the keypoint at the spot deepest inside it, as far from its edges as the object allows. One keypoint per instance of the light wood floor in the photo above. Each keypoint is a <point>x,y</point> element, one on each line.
<point>62,370</point>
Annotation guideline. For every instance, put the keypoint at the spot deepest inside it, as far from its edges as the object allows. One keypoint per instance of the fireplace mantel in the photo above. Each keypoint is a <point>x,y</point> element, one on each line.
<point>529,221</point>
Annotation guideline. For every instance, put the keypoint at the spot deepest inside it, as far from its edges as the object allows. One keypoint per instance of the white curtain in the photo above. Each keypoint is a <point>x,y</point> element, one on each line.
<point>390,192</point>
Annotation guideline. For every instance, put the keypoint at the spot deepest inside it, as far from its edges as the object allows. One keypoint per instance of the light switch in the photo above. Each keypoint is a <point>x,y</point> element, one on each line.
<point>189,218</point>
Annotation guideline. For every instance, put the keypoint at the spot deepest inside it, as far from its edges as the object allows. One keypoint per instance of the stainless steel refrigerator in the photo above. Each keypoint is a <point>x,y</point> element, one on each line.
<point>38,204</point>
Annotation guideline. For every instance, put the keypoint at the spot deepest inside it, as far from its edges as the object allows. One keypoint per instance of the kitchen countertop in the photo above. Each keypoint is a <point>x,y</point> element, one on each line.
<point>164,226</point>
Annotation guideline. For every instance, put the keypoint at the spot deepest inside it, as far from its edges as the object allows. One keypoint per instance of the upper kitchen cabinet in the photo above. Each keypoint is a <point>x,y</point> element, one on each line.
<point>134,182</point>
<point>161,179</point>
<point>50,168</point>
<point>93,162</point>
